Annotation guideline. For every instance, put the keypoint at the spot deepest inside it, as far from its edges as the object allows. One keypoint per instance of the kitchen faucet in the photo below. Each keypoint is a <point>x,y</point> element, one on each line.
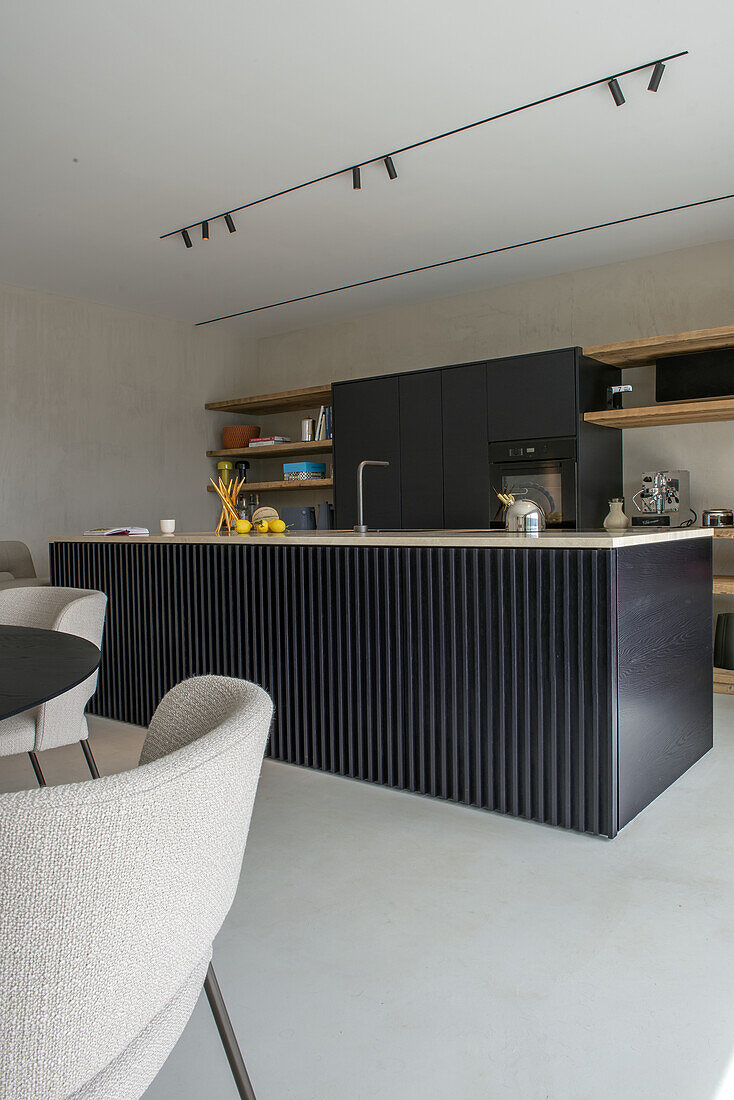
<point>361,527</point>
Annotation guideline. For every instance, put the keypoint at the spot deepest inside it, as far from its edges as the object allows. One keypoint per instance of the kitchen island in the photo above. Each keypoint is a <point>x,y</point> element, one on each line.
<point>564,678</point>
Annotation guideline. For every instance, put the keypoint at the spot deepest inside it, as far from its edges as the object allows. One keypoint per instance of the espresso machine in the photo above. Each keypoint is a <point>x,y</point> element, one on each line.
<point>664,499</point>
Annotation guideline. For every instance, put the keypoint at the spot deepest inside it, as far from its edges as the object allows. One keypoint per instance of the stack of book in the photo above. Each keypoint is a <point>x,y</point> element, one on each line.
<point>323,424</point>
<point>269,440</point>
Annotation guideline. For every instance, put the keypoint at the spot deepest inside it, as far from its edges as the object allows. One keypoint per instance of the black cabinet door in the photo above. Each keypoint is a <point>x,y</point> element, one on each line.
<point>421,450</point>
<point>367,425</point>
<point>465,446</point>
<point>532,396</point>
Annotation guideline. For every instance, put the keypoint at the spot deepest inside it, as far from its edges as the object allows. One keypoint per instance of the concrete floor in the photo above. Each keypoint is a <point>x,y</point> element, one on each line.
<point>389,947</point>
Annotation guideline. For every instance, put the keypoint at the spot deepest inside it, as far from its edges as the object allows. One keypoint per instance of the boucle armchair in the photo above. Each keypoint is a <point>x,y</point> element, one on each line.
<point>111,893</point>
<point>16,567</point>
<point>61,721</point>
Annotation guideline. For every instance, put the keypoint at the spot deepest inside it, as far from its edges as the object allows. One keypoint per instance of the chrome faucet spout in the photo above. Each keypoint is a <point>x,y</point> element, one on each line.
<point>361,527</point>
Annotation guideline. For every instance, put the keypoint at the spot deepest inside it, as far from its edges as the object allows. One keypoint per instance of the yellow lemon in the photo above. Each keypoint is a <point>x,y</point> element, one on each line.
<point>263,527</point>
<point>243,526</point>
<point>276,526</point>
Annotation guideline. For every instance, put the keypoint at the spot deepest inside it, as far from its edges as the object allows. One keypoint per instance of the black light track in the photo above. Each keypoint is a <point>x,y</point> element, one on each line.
<point>387,157</point>
<point>472,256</point>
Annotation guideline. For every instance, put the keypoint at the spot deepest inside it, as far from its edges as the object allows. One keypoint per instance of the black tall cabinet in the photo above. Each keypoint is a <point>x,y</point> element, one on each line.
<point>435,428</point>
<point>465,445</point>
<point>532,396</point>
<point>421,450</point>
<point>367,425</point>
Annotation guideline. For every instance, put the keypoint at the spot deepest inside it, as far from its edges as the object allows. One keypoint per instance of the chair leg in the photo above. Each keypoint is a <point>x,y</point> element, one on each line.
<point>91,762</point>
<point>37,769</point>
<point>227,1035</point>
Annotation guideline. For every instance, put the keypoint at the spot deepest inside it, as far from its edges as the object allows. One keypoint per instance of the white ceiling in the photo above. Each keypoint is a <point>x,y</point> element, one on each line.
<point>122,120</point>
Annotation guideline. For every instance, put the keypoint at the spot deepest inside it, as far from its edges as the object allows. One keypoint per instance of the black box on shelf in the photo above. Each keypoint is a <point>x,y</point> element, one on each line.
<point>687,377</point>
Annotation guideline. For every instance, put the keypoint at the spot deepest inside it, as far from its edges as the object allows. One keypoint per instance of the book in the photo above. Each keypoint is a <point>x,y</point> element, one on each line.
<point>269,440</point>
<point>318,434</point>
<point>118,531</point>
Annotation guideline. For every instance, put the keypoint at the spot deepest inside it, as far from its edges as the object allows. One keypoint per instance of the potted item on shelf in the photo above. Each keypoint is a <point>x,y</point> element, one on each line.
<point>239,435</point>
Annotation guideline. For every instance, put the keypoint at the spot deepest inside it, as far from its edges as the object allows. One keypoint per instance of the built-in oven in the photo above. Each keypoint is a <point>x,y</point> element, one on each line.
<point>541,470</point>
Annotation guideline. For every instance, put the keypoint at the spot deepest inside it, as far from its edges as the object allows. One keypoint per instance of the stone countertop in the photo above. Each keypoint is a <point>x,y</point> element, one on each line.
<point>551,540</point>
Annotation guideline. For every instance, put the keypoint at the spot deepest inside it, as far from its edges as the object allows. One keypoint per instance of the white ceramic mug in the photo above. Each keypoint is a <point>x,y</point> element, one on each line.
<point>168,526</point>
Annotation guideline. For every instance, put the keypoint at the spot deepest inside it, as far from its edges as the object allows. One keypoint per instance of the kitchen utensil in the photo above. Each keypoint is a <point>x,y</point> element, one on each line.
<point>239,435</point>
<point>300,519</point>
<point>168,526</point>
<point>718,517</point>
<point>522,516</point>
<point>664,499</point>
<point>326,516</point>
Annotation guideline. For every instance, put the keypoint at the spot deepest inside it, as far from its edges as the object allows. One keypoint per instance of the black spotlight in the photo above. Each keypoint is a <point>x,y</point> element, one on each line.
<point>229,222</point>
<point>205,231</point>
<point>356,179</point>
<point>657,76</point>
<point>187,238</point>
<point>616,91</point>
<point>391,169</point>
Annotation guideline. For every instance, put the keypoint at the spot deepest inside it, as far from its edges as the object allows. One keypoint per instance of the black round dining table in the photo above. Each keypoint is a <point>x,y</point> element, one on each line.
<point>37,665</point>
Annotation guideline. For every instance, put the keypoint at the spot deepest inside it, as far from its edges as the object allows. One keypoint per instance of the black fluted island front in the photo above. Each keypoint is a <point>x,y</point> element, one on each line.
<point>564,678</point>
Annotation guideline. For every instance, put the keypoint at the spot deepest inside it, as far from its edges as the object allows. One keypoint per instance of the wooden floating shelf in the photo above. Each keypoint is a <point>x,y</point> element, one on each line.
<point>673,412</point>
<point>723,584</point>
<point>283,486</point>
<point>642,353</point>
<point>313,447</point>
<point>723,532</point>
<point>287,401</point>
<point>724,681</point>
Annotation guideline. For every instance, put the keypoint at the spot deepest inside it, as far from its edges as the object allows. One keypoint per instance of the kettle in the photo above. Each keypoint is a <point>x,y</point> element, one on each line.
<point>522,516</point>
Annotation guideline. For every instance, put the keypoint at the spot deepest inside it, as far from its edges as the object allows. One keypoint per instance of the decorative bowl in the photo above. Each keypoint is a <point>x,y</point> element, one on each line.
<point>239,435</point>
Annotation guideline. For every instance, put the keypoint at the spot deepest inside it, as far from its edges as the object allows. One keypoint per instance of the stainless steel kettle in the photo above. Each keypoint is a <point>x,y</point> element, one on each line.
<point>522,516</point>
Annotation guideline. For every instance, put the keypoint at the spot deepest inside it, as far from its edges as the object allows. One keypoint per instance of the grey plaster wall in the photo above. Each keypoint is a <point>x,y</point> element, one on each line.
<point>102,417</point>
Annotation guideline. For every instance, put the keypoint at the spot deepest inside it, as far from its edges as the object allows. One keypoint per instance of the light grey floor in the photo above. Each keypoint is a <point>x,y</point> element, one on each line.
<point>388,947</point>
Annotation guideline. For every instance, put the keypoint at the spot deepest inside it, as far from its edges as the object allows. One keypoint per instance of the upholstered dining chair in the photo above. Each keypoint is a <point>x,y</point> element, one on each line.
<point>16,567</point>
<point>61,721</point>
<point>111,893</point>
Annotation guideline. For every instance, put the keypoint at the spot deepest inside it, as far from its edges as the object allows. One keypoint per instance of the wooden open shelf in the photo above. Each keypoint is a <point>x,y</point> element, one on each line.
<point>282,450</point>
<point>723,584</point>
<point>283,486</point>
<point>642,353</point>
<point>673,412</point>
<point>287,401</point>
<point>724,681</point>
<point>723,532</point>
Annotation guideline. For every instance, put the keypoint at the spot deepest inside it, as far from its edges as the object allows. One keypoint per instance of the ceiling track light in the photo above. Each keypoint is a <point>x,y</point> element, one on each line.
<point>186,238</point>
<point>205,231</point>
<point>657,76</point>
<point>616,91</point>
<point>657,66</point>
<point>229,222</point>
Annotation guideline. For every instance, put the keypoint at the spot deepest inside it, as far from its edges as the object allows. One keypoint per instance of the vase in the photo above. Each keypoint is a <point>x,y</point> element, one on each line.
<point>616,520</point>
